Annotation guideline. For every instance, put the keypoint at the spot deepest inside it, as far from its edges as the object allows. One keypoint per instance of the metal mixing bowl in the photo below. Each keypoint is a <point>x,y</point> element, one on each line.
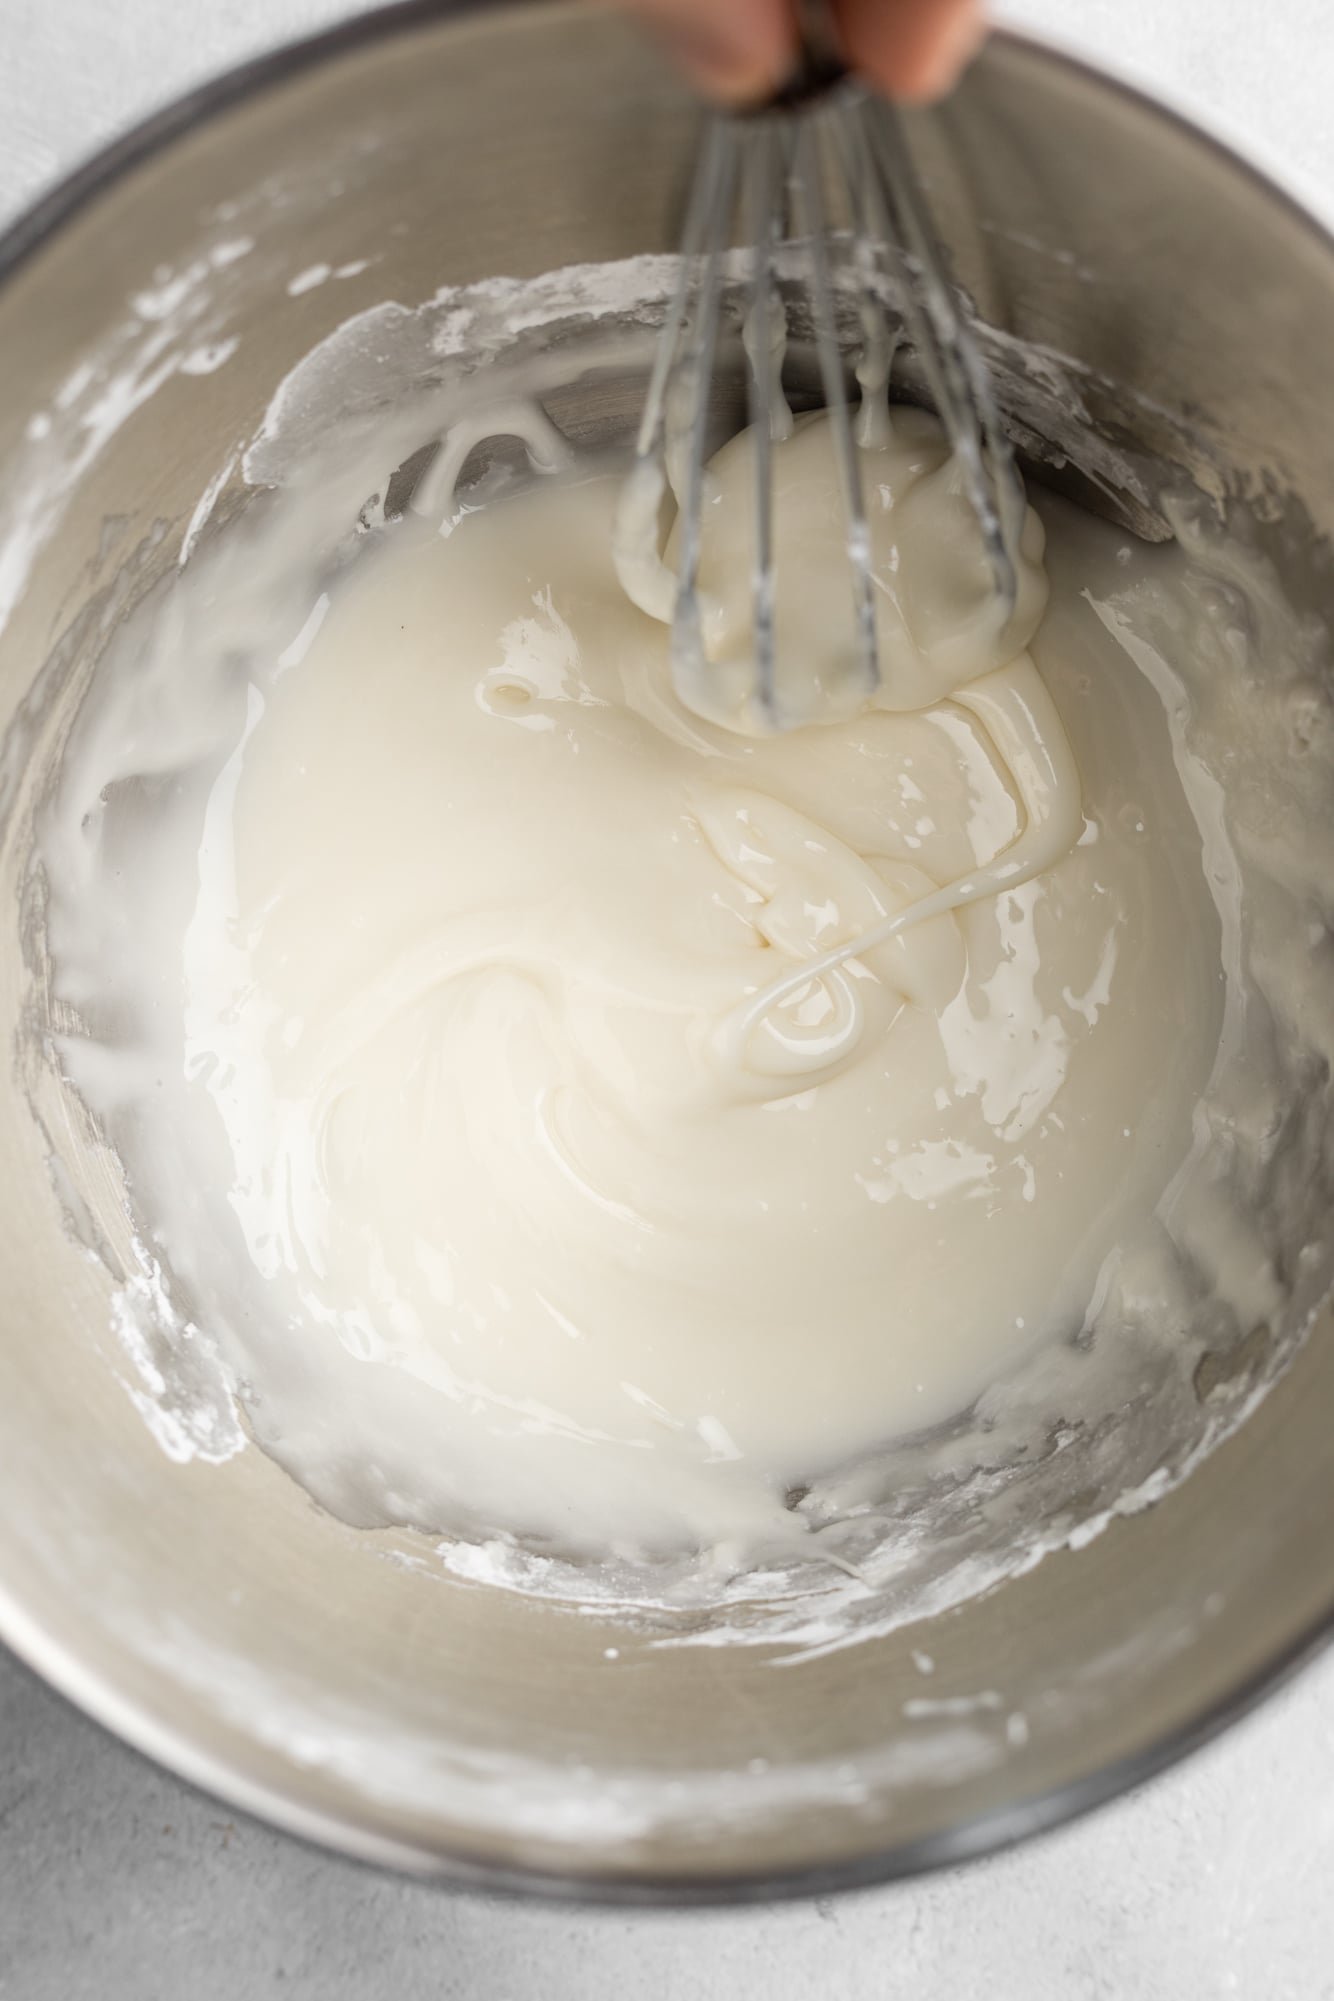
<point>209,1612</point>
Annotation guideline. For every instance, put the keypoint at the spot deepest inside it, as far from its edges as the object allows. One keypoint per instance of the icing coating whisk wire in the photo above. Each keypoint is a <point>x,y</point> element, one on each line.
<point>824,153</point>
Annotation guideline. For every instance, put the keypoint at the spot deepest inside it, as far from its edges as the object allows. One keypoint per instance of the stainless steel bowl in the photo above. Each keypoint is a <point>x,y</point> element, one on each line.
<point>209,1613</point>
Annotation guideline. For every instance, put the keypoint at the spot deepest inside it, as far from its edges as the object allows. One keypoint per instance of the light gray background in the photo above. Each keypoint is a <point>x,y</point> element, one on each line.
<point>115,1882</point>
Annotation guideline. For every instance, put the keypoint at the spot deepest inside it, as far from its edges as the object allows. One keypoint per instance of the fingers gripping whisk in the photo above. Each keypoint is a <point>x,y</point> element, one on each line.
<point>811,206</point>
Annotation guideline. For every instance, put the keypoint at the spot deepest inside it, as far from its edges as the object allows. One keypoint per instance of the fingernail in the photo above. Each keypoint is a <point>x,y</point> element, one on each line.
<point>717,64</point>
<point>957,41</point>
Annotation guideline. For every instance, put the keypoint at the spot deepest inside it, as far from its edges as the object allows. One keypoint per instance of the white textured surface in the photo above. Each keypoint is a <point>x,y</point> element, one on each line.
<point>116,1882</point>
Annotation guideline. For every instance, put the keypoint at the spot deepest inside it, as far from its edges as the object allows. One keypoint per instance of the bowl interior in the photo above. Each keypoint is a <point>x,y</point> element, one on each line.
<point>340,1682</point>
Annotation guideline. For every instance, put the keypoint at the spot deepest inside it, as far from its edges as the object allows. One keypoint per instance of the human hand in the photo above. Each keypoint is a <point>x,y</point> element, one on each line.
<point>739,51</point>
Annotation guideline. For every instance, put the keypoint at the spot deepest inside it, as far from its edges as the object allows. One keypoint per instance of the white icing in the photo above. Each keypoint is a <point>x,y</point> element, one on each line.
<point>558,1117</point>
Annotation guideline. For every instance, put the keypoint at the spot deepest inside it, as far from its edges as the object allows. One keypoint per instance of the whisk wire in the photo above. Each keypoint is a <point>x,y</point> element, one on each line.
<point>696,373</point>
<point>809,201</point>
<point>763,195</point>
<point>957,377</point>
<point>870,249</point>
<point>700,211</point>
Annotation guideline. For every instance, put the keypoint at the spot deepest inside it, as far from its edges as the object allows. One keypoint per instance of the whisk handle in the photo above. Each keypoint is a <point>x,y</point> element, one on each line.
<point>819,65</point>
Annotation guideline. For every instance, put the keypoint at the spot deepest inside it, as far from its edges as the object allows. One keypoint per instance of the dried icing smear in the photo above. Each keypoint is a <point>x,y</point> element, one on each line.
<point>660,1161</point>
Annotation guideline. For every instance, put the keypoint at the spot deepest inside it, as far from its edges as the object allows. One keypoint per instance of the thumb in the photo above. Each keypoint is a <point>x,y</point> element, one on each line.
<point>736,51</point>
<point>913,49</point>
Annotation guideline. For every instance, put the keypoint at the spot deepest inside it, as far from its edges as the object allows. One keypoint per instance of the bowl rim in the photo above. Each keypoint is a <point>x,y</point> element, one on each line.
<point>131,1723</point>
